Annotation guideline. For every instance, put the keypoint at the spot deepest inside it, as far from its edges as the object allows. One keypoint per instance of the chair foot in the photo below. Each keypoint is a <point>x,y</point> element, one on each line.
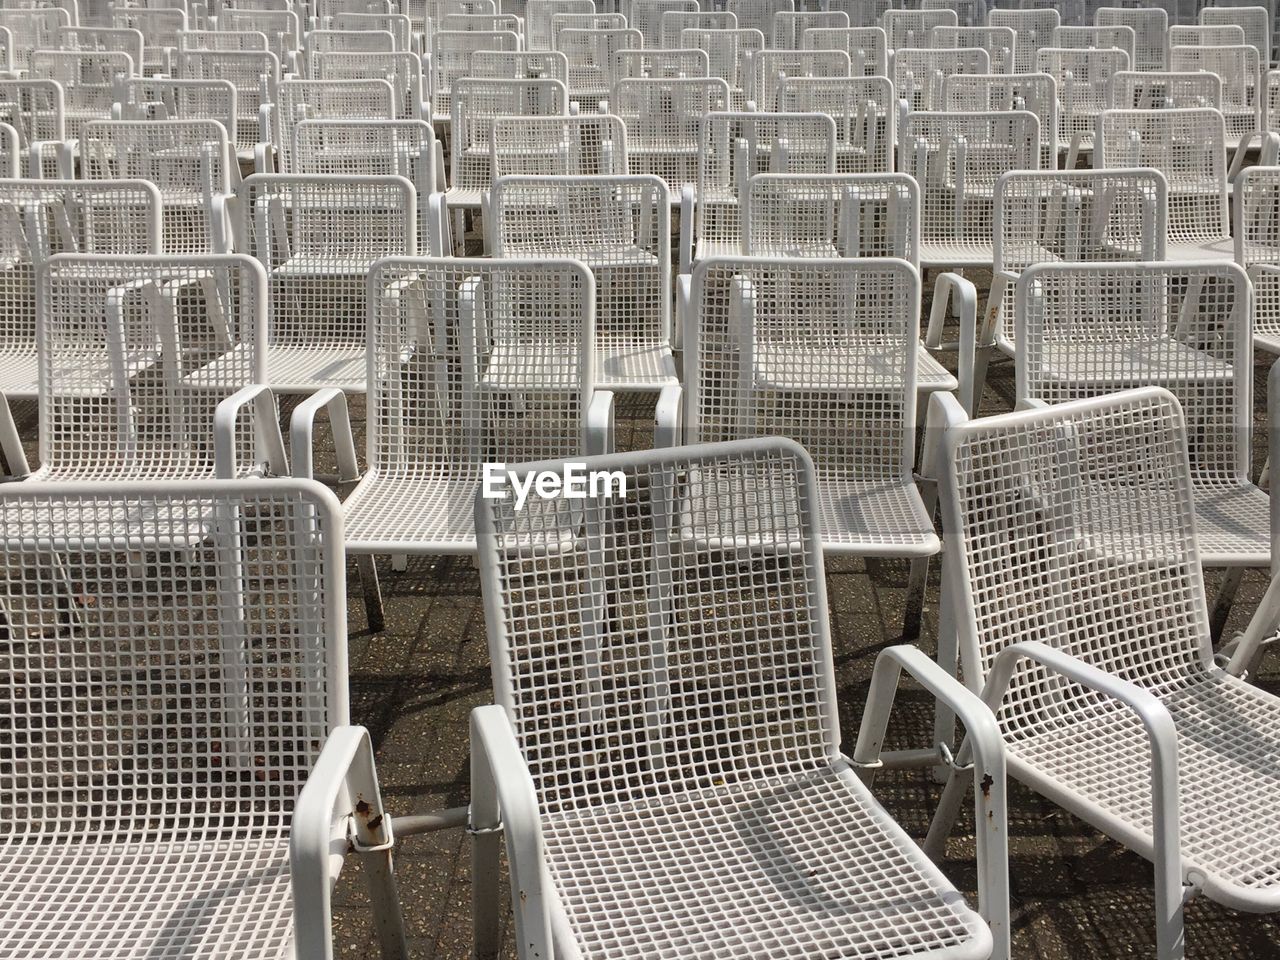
<point>372,594</point>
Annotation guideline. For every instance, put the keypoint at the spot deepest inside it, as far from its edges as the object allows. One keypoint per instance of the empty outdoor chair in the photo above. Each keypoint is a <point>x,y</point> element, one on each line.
<point>582,146</point>
<point>476,102</point>
<point>864,112</point>
<point>36,110</point>
<point>768,69</point>
<point>1035,92</point>
<point>656,63</point>
<point>958,158</point>
<point>184,633</point>
<point>396,24</point>
<point>281,28</point>
<point>1084,84</point>
<point>620,227</point>
<point>160,29</point>
<point>1049,217</point>
<point>1164,90</point>
<point>296,100</point>
<point>918,74</point>
<point>1255,21</point>
<point>1149,741</point>
<point>1257,248</point>
<point>590,56</point>
<point>1118,37</point>
<point>317,237</point>
<point>538,14</point>
<point>1032,30</point>
<point>483,21</point>
<point>1194,35</point>
<point>758,14</point>
<point>867,47</point>
<point>521,65</point>
<point>646,16</point>
<point>862,13</point>
<point>789,27</point>
<point>472,362</point>
<point>674,22</point>
<point>162,98</point>
<point>999,42</point>
<point>743,822</point>
<point>401,69</point>
<point>229,41</point>
<point>31,30</point>
<point>450,59</point>
<point>1150,29</point>
<point>910,28</point>
<point>249,71</point>
<point>970,13</point>
<point>104,39</point>
<point>733,148</point>
<point>1071,12</point>
<point>190,161</point>
<point>87,79</point>
<point>1188,147</point>
<point>663,119</point>
<point>727,55</point>
<point>1237,68</point>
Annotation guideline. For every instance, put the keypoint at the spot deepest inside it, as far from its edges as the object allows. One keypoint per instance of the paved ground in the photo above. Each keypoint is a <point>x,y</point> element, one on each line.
<point>1076,894</point>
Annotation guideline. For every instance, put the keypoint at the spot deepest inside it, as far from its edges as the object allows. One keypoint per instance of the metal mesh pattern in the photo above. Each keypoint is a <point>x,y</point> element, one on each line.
<point>999,42</point>
<point>862,13</point>
<point>398,25</point>
<point>1161,90</point>
<point>1084,81</point>
<point>135,354</point>
<point>1099,494</point>
<point>520,65</point>
<point>796,347</point>
<point>735,147</point>
<point>1254,20</point>
<point>1150,29</point>
<point>188,160</point>
<point>451,59</point>
<point>483,21</point>
<point>674,22</point>
<point>918,74</point>
<point>1188,147</point>
<point>32,30</point>
<point>1032,30</point>
<point>958,158</point>
<point>160,98</point>
<point>581,146</point>
<point>106,39</point>
<point>620,228</point>
<point>590,54</point>
<point>1086,330</point>
<point>317,237</point>
<point>863,111</point>
<point>160,29</point>
<point>757,14</point>
<point>910,28</point>
<point>663,119</point>
<point>35,109</point>
<point>970,13</point>
<point>298,100</point>
<point>867,47</point>
<point>646,16</point>
<point>1189,35</point>
<point>659,64</point>
<point>789,26</point>
<point>401,69</point>
<point>1035,92</point>
<point>1237,68</point>
<point>1257,224</point>
<point>87,80</point>
<point>1270,108</point>
<point>45,217</point>
<point>281,28</point>
<point>135,671</point>
<point>348,41</point>
<point>474,362</point>
<point>9,151</point>
<point>228,41</point>
<point>1119,37</point>
<point>769,68</point>
<point>538,14</point>
<point>720,732</point>
<point>247,71</point>
<point>476,103</point>
<point>727,55</point>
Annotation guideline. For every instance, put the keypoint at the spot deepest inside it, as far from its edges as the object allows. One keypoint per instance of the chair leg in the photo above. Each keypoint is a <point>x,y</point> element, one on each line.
<point>372,595</point>
<point>399,562</point>
<point>914,613</point>
<point>384,896</point>
<point>460,232</point>
<point>1222,602</point>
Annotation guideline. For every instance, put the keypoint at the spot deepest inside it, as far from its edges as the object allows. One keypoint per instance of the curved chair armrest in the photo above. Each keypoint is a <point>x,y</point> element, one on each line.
<point>1247,649</point>
<point>667,427</point>
<point>686,229</point>
<point>302,434</point>
<point>503,797</point>
<point>440,185</point>
<point>599,426</point>
<point>263,158</point>
<point>340,803</point>
<point>439,233</point>
<point>266,427</point>
<point>684,307</point>
<point>943,413</point>
<point>986,745</point>
<point>953,287</point>
<point>15,458</point>
<point>1238,155</point>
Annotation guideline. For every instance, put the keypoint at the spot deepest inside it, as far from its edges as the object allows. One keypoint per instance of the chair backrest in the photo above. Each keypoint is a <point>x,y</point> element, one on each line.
<point>727,54</point>
<point>663,120</point>
<point>1093,492</point>
<point>521,64</point>
<point>88,81</point>
<point>160,29</point>
<point>477,102</point>
<point>403,70</point>
<point>103,39</point>
<point>970,13</point>
<point>36,109</point>
<point>281,27</point>
<point>862,13</point>
<point>1088,329</point>
<point>1254,20</point>
<point>1238,69</point>
<point>225,40</point>
<point>477,361</point>
<point>864,111</point>
<point>822,351</point>
<point>127,349</point>
<point>1271,102</point>
<point>580,146</point>
<point>789,26</point>
<point>538,14</point>
<point>658,63</point>
<point>1032,29</point>
<point>1256,225</point>
<point>298,100</point>
<point>999,42</point>
<point>590,54</point>
<point>1084,84</point>
<point>867,47</point>
<point>160,98</point>
<point>396,24</point>
<point>1193,35</point>
<point>1036,92</point>
<point>483,22</point>
<point>910,28</point>
<point>219,656</point>
<point>1150,28</point>
<point>1071,12</point>
<point>758,14</point>
<point>674,22</point>
<point>832,215</point>
<point>1119,36</point>
<point>1164,90</point>
<point>31,30</point>
<point>10,152</point>
<point>451,54</point>
<point>769,68</point>
<point>918,73</point>
<point>633,553</point>
<point>249,71</point>
<point>1189,148</point>
<point>646,16</point>
<point>1079,215</point>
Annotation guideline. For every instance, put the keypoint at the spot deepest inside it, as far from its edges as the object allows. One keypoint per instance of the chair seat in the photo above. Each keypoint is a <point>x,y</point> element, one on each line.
<point>633,366</point>
<point>216,899</point>
<point>1093,760</point>
<point>1233,523</point>
<point>542,365</point>
<point>933,254</point>
<point>294,368</point>
<point>881,517</point>
<point>19,371</point>
<point>806,866</point>
<point>1106,366</point>
<point>412,512</point>
<point>1217,249</point>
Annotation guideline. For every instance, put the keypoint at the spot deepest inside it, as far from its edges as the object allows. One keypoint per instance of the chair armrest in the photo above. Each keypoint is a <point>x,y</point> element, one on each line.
<point>949,287</point>
<point>439,231</point>
<point>302,434</point>
<point>684,307</point>
<point>599,426</point>
<point>340,802</point>
<point>943,413</point>
<point>1238,155</point>
<point>984,742</point>
<point>266,429</point>
<point>62,151</point>
<point>503,797</point>
<point>15,458</point>
<point>263,158</point>
<point>686,229</point>
<point>667,425</point>
<point>440,184</point>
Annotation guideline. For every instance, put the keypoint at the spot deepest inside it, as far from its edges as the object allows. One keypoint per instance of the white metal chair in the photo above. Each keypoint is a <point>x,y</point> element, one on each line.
<point>1164,90</point>
<point>769,69</point>
<point>658,64</point>
<point>31,30</point>
<point>999,42</point>
<point>958,158</point>
<point>229,41</point>
<point>910,28</point>
<point>136,670</point>
<point>674,22</point>
<point>251,72</point>
<point>663,119</point>
<point>1083,77</point>
<point>582,146</point>
<point>36,110</point>
<point>758,14</point>
<point>190,161</point>
<point>746,829</point>
<point>1188,147</point>
<point>102,39</point>
<point>971,13</point>
<point>281,28</point>
<point>538,14</point>
<point>1237,68</point>
<point>727,55</point>
<point>789,26</point>
<point>620,228</point>
<point>1147,740</point>
<point>1116,37</point>
<point>521,65</point>
<point>646,16</point>
<point>483,21</point>
<point>401,69</point>
<point>472,362</point>
<point>864,113</point>
<point>1035,92</point>
<point>88,81</point>
<point>450,59</point>
<point>397,24</point>
<point>1254,20</point>
<point>160,29</point>
<point>918,73</point>
<point>1032,30</point>
<point>1256,231</point>
<point>1217,35</point>
<point>867,47</point>
<point>10,152</point>
<point>1150,29</point>
<point>296,100</point>
<point>590,54</point>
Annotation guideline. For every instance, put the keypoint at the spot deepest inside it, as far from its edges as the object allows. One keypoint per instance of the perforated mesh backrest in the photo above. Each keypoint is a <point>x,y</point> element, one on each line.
<point>1254,20</point>
<point>476,103</point>
<point>659,64</point>
<point>727,54</point>
<point>1163,90</point>
<point>35,109</point>
<point>451,55</point>
<point>789,27</point>
<point>694,634</point>
<point>122,40</point>
<point>520,64</point>
<point>1093,493</point>
<point>396,24</point>
<point>538,14</point>
<point>867,47</point>
<point>1189,148</point>
<point>483,21</point>
<point>1089,329</point>
<point>758,14</point>
<point>832,215</point>
<point>1189,35</point>
<point>1084,84</point>
<point>229,41</point>
<point>769,68</point>
<point>861,13</point>
<point>1237,67</point>
<point>910,28</point>
<point>160,29</point>
<point>1119,37</point>
<point>1035,92</point>
<point>646,16</point>
<point>1150,28</point>
<point>1032,29</point>
<point>298,100</point>
<point>477,361</point>
<point>673,23</point>
<point>127,344</point>
<point>32,30</point>
<point>663,119</point>
<point>1271,105</point>
<point>283,33</point>
<point>165,633</point>
<point>249,71</point>
<point>999,42</point>
<point>581,146</point>
<point>863,109</point>
<point>918,74</point>
<point>590,54</point>
<point>1257,216</point>
<point>9,156</point>
<point>970,13</point>
<point>88,81</point>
